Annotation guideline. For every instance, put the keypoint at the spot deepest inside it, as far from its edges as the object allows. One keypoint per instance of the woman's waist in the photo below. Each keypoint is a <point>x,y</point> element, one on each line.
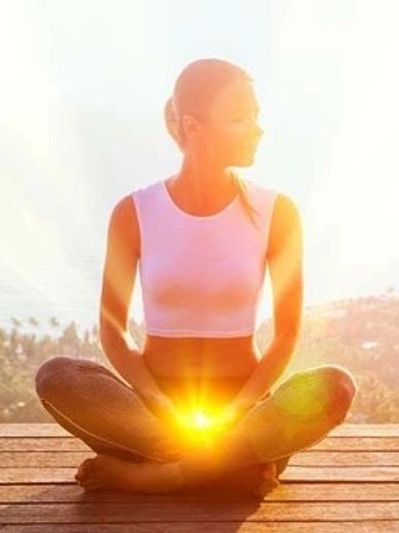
<point>201,392</point>
<point>200,358</point>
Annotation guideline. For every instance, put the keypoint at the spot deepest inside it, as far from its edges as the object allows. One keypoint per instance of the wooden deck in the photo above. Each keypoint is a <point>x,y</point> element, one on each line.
<point>348,482</point>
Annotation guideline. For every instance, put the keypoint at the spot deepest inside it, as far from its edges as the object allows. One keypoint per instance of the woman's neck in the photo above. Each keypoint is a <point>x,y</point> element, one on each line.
<point>209,187</point>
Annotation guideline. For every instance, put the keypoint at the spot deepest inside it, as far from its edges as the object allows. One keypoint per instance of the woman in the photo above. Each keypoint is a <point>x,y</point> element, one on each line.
<point>203,238</point>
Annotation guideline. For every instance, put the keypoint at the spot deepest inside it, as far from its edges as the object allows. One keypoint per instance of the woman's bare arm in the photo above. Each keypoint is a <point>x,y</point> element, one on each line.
<point>285,258</point>
<point>119,274</point>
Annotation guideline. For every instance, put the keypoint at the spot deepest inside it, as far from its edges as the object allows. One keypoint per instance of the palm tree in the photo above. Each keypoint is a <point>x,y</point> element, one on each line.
<point>33,322</point>
<point>15,322</point>
<point>54,322</point>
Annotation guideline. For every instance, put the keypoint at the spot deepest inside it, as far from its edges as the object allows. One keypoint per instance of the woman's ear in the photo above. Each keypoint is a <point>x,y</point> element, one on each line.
<point>171,122</point>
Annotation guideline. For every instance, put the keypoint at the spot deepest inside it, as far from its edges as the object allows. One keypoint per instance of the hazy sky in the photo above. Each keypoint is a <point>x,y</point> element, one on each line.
<point>82,93</point>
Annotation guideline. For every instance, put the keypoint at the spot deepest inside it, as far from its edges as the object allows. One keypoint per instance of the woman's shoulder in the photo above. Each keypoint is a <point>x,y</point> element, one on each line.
<point>124,208</point>
<point>286,207</point>
<point>124,221</point>
<point>267,198</point>
<point>286,223</point>
<point>280,209</point>
<point>258,192</point>
<point>127,205</point>
<point>282,201</point>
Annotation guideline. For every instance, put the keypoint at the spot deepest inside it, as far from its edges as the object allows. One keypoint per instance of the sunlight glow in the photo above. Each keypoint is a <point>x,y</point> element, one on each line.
<point>201,420</point>
<point>201,424</point>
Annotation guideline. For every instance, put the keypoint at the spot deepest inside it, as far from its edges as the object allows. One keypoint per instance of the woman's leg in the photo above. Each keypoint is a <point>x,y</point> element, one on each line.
<point>301,412</point>
<point>93,404</point>
<point>297,415</point>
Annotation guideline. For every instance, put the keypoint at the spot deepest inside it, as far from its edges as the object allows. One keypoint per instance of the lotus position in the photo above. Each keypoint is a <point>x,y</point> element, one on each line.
<point>196,404</point>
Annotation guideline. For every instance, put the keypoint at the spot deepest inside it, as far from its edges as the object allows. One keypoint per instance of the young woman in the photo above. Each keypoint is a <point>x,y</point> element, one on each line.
<point>203,239</point>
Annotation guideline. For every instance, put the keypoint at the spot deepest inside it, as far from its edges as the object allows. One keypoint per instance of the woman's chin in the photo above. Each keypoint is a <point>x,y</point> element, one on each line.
<point>246,161</point>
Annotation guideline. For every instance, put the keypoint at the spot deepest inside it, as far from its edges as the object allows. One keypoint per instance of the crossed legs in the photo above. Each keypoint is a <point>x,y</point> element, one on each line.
<point>93,404</point>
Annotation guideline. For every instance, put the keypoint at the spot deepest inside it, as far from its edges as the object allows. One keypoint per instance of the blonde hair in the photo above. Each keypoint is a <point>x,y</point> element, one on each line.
<point>194,90</point>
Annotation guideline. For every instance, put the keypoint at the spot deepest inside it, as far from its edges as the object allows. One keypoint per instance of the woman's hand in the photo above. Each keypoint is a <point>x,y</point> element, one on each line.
<point>160,405</point>
<point>235,410</point>
<point>165,408</point>
<point>242,403</point>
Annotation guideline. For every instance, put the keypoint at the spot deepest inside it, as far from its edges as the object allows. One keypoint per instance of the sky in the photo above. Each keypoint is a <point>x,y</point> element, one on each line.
<point>83,89</point>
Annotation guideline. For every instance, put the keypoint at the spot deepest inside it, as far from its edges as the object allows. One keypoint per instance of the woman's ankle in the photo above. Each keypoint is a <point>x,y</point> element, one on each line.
<point>175,479</point>
<point>198,468</point>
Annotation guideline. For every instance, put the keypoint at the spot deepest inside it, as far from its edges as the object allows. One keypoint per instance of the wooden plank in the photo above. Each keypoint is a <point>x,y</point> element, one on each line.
<point>68,492</point>
<point>11,475</point>
<point>347,482</point>
<point>330,474</point>
<point>345,458</point>
<point>369,526</point>
<point>38,459</point>
<point>30,444</point>
<point>304,458</point>
<point>53,430</point>
<point>366,430</point>
<point>33,430</point>
<point>73,443</point>
<point>197,512</point>
<point>356,444</point>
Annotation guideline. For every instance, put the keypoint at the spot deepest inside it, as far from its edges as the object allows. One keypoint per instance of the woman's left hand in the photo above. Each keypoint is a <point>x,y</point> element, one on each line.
<point>235,410</point>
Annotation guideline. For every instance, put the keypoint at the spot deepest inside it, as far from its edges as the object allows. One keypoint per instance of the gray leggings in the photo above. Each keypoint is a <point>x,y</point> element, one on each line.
<point>96,406</point>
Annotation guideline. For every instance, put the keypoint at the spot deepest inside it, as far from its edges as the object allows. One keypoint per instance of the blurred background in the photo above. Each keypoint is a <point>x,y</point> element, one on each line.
<point>82,95</point>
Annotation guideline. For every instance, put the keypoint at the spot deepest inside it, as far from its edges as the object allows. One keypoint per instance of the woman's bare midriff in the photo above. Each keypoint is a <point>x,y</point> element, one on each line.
<point>177,357</point>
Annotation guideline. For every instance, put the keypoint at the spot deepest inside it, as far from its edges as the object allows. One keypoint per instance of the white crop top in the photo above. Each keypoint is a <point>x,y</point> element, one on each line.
<point>201,276</point>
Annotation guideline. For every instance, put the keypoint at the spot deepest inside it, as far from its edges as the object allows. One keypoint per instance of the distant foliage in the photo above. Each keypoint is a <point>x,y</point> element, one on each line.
<point>360,334</point>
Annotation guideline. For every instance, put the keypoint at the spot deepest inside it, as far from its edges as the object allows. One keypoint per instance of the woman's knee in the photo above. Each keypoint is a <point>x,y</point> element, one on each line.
<point>342,389</point>
<point>51,373</point>
<point>340,375</point>
<point>325,390</point>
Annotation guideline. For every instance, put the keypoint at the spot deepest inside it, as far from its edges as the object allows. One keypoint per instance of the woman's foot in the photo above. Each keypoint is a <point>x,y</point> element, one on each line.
<point>270,475</point>
<point>269,482</point>
<point>108,472</point>
<point>281,464</point>
<point>254,480</point>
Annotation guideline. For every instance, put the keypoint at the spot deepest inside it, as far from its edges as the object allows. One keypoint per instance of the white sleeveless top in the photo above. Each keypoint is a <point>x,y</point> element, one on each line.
<point>202,276</point>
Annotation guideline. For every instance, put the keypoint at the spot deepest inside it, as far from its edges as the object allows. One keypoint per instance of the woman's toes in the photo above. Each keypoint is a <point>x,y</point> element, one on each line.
<point>105,471</point>
<point>84,470</point>
<point>281,464</point>
<point>267,486</point>
<point>92,485</point>
<point>269,470</point>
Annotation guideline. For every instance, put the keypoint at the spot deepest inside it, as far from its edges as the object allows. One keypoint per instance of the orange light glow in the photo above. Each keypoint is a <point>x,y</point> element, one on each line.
<point>200,424</point>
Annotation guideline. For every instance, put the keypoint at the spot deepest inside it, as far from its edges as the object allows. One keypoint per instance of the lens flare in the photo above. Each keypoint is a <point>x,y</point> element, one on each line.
<point>201,420</point>
<point>200,424</point>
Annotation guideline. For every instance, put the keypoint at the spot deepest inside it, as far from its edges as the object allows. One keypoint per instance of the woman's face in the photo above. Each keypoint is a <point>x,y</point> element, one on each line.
<point>230,133</point>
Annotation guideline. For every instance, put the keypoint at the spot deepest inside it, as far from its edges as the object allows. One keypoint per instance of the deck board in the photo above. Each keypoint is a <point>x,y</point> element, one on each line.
<point>349,481</point>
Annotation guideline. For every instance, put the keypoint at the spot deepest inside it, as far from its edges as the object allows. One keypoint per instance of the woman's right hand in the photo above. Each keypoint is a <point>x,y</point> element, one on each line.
<point>160,404</point>
<point>165,408</point>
